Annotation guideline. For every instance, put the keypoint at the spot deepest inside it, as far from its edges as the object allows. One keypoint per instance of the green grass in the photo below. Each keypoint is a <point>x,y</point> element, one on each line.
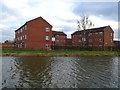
<point>60,51</point>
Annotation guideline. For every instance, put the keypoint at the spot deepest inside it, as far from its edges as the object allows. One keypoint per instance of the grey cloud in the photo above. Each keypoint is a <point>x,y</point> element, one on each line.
<point>119,11</point>
<point>116,34</point>
<point>8,33</point>
<point>7,11</point>
<point>109,10</point>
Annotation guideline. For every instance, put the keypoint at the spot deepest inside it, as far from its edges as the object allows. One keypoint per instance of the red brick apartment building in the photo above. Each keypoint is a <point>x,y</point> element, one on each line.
<point>58,38</point>
<point>68,41</point>
<point>102,36</point>
<point>36,33</point>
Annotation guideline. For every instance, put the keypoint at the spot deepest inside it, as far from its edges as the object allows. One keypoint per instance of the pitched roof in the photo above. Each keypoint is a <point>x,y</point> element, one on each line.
<point>91,30</point>
<point>32,20</point>
<point>58,33</point>
<point>39,18</point>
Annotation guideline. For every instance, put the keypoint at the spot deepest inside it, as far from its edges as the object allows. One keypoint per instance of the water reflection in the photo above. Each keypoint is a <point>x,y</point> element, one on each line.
<point>60,72</point>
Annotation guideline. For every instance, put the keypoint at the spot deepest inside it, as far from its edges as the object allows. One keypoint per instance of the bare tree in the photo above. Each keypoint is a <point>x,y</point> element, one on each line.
<point>83,24</point>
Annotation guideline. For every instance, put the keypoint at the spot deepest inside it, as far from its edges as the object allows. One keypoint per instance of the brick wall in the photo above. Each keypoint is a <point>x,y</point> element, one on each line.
<point>36,34</point>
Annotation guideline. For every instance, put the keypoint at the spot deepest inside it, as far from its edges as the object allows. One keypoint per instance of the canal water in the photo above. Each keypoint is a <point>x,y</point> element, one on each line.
<point>60,72</point>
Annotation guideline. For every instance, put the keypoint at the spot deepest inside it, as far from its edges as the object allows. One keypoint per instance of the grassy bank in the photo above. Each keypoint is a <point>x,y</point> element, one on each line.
<point>56,53</point>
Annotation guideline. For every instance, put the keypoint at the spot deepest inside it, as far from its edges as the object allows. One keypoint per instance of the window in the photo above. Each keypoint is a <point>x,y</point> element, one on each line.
<point>83,39</point>
<point>111,40</point>
<point>53,39</point>
<point>79,40</point>
<point>47,38</point>
<point>47,29</point>
<point>46,45</point>
<point>18,45</point>
<point>100,39</point>
<point>110,34</point>
<point>57,40</point>
<point>96,32</point>
<point>90,40</point>
<point>53,36</point>
<point>101,33</point>
<point>80,35</point>
<point>21,29</point>
<point>25,36</point>
<point>25,27</point>
<point>57,35</point>
<point>90,34</point>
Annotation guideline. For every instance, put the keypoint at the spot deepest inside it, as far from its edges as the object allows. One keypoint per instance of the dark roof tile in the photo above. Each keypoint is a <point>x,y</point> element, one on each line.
<point>90,30</point>
<point>58,33</point>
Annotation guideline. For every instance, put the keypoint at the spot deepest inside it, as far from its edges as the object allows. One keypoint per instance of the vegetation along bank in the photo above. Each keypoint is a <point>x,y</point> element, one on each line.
<point>57,53</point>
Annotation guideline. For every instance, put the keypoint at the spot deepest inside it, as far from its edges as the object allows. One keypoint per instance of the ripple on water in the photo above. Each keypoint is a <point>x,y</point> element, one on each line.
<point>66,72</point>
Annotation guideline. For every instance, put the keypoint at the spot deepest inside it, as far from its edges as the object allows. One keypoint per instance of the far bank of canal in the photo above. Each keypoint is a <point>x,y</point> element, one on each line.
<point>57,53</point>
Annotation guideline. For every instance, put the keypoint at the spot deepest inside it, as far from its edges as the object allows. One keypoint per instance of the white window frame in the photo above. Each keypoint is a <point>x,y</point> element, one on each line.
<point>80,35</point>
<point>25,27</point>
<point>21,30</point>
<point>25,36</point>
<point>47,29</point>
<point>96,33</point>
<point>111,40</point>
<point>47,38</point>
<point>79,40</point>
<point>100,40</point>
<point>47,45</point>
<point>90,34</point>
<point>90,40</point>
<point>111,34</point>
<point>84,39</point>
<point>57,40</point>
<point>18,45</point>
<point>101,33</point>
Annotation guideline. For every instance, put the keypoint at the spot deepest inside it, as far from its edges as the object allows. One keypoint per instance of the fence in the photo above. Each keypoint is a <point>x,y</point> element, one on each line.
<point>86,48</point>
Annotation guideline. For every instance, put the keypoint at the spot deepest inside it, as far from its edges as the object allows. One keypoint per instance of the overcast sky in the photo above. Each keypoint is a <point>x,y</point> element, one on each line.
<point>62,14</point>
